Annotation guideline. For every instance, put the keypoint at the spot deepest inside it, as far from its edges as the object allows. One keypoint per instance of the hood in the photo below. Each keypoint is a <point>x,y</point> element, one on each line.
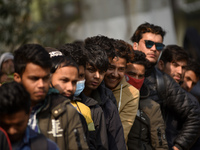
<point>5,56</point>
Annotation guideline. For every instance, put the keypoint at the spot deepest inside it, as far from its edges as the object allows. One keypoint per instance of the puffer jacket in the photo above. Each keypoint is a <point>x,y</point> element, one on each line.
<point>60,122</point>
<point>114,127</point>
<point>148,130</point>
<point>127,97</point>
<point>99,121</point>
<point>181,113</point>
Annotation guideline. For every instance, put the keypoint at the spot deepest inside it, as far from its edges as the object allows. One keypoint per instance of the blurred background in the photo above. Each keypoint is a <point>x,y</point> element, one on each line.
<point>55,22</point>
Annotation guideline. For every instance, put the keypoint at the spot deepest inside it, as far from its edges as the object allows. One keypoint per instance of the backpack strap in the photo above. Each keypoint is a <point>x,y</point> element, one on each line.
<point>39,143</point>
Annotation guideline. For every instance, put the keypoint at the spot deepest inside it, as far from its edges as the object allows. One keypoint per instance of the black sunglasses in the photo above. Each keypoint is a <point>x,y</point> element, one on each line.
<point>149,44</point>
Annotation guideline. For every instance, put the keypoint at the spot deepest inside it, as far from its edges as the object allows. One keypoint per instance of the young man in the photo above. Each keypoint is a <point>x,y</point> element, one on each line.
<point>191,75</point>
<point>52,114</point>
<point>126,95</point>
<point>181,114</point>
<point>78,53</point>
<point>14,116</point>
<point>64,77</point>
<point>173,61</point>
<point>96,68</point>
<point>148,130</point>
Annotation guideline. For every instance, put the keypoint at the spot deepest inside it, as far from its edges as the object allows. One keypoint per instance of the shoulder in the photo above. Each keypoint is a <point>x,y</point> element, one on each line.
<point>51,145</point>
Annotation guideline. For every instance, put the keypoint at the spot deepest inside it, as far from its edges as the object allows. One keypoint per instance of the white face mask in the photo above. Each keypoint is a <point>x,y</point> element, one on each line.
<point>80,85</point>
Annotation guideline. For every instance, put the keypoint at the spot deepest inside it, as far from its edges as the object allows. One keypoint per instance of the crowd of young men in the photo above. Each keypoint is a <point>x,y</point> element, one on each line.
<point>101,93</point>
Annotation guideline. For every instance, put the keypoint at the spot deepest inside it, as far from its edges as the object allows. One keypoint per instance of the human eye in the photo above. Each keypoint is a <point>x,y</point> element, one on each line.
<point>121,69</point>
<point>91,69</point>
<point>110,67</point>
<point>175,64</point>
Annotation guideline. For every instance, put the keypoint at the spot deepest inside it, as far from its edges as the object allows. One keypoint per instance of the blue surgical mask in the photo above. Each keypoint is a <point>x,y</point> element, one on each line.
<point>80,85</point>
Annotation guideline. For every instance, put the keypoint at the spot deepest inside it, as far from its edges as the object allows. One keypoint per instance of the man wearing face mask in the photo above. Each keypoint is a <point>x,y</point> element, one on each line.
<point>148,130</point>
<point>77,52</point>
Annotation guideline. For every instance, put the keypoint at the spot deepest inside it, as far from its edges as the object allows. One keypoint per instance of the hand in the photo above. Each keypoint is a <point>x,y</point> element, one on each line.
<point>175,148</point>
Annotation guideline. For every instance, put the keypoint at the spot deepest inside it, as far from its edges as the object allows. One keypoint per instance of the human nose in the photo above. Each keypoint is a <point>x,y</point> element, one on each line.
<point>69,86</point>
<point>115,73</point>
<point>179,70</point>
<point>153,47</point>
<point>12,131</point>
<point>189,85</point>
<point>97,75</point>
<point>40,83</point>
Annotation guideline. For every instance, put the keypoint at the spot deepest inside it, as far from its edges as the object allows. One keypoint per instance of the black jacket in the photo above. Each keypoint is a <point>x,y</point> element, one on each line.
<point>115,133</point>
<point>148,130</point>
<point>99,121</point>
<point>181,113</point>
<point>4,140</point>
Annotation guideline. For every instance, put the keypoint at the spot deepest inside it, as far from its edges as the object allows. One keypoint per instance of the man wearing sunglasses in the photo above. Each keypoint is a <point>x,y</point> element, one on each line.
<point>181,113</point>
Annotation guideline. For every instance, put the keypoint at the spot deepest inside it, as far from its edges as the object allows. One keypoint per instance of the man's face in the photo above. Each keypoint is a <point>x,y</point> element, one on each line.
<point>15,125</point>
<point>36,80</point>
<point>151,53</point>
<point>115,72</point>
<point>93,77</point>
<point>64,80</point>
<point>174,69</point>
<point>136,71</point>
<point>189,81</point>
<point>8,66</point>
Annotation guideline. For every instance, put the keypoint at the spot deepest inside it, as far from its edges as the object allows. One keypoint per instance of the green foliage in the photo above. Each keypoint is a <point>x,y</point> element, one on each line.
<point>36,21</point>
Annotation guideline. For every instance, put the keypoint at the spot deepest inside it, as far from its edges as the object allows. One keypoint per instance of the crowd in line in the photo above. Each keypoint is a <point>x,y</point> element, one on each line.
<point>100,94</point>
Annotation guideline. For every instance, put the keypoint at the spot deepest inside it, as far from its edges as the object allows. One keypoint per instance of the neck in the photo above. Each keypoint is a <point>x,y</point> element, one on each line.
<point>87,92</point>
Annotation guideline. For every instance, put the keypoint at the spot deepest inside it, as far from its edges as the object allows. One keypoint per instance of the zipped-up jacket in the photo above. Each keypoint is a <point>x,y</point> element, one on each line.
<point>60,122</point>
<point>127,97</point>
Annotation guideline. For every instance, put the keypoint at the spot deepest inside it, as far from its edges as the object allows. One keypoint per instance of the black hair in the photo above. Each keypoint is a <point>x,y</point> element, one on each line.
<point>76,51</point>
<point>147,28</point>
<point>104,42</point>
<point>14,98</point>
<point>62,61</point>
<point>31,53</point>
<point>140,58</point>
<point>194,66</point>
<point>123,50</point>
<point>97,57</point>
<point>174,53</point>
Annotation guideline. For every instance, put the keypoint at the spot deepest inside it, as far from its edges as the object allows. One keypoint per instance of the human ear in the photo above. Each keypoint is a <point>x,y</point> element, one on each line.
<point>17,77</point>
<point>135,46</point>
<point>161,65</point>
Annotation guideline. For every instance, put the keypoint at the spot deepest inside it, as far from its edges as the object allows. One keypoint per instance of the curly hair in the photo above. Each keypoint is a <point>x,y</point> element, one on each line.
<point>76,51</point>
<point>123,50</point>
<point>140,58</point>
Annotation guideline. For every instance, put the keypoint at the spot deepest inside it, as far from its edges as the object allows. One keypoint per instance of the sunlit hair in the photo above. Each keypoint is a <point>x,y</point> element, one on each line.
<point>147,28</point>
